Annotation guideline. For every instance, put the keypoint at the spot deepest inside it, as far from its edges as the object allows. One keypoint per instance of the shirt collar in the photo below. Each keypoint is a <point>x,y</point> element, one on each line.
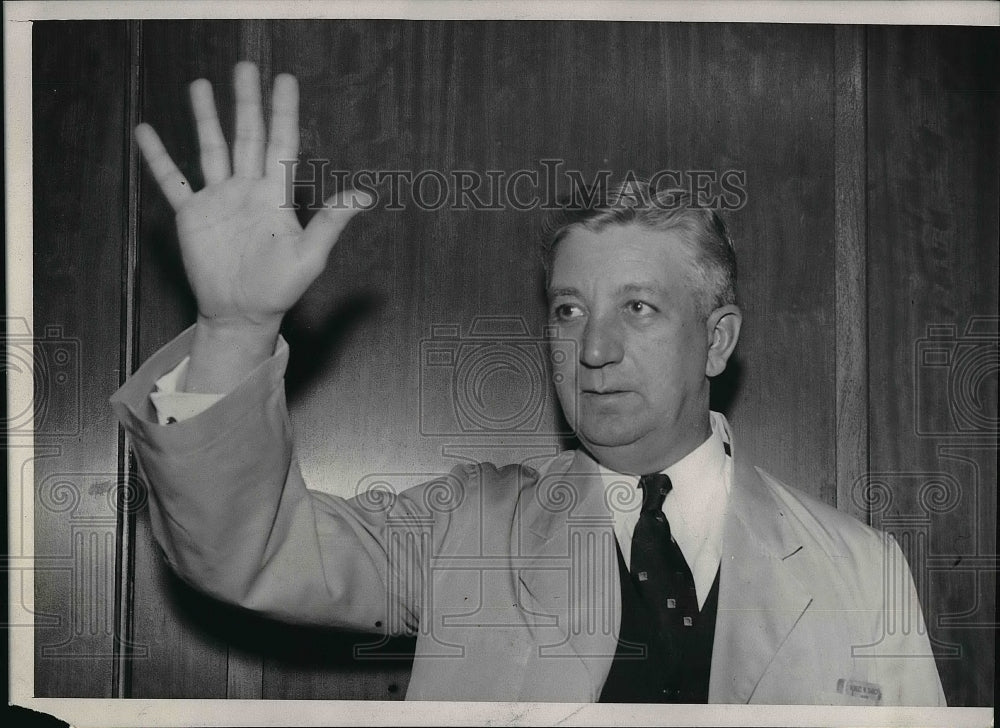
<point>696,505</point>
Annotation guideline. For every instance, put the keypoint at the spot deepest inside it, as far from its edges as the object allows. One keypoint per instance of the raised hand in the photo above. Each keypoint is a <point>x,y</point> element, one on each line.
<point>246,257</point>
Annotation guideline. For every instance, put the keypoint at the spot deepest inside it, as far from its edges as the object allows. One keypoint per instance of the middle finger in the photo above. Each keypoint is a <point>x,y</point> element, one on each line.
<point>248,149</point>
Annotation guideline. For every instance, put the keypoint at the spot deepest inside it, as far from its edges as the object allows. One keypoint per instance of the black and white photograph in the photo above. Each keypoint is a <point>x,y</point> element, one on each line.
<point>462,363</point>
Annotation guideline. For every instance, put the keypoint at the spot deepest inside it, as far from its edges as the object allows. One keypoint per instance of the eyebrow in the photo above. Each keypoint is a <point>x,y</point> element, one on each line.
<point>628,288</point>
<point>640,288</point>
<point>554,292</point>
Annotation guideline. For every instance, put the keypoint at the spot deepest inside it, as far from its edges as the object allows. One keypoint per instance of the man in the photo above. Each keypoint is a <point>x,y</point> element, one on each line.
<point>654,564</point>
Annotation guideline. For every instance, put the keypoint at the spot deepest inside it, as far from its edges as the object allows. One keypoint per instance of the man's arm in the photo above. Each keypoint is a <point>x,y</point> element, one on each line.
<point>233,517</point>
<point>227,504</point>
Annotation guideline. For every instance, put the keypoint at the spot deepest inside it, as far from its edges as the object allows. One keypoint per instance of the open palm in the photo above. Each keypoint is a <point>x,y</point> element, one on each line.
<point>246,256</point>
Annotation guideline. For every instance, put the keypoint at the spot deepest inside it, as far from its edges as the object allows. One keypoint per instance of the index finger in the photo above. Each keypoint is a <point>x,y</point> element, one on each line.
<point>283,145</point>
<point>175,187</point>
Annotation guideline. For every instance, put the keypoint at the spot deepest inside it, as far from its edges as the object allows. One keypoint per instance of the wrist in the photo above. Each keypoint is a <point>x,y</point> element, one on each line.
<point>223,353</point>
<point>238,332</point>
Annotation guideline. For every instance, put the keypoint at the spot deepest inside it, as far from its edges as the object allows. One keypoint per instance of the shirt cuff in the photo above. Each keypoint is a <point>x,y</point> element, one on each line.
<point>174,405</point>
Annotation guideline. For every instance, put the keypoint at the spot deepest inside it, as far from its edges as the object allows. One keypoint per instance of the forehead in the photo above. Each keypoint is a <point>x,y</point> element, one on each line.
<point>622,254</point>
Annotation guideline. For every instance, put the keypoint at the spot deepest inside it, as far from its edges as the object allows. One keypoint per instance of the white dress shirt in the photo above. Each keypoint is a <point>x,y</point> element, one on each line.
<point>695,506</point>
<point>172,403</point>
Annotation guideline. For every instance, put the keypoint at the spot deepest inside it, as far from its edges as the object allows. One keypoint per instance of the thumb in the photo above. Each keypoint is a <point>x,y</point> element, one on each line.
<point>324,229</point>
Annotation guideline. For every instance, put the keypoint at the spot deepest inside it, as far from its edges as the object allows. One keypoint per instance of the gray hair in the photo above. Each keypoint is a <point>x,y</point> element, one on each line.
<point>702,230</point>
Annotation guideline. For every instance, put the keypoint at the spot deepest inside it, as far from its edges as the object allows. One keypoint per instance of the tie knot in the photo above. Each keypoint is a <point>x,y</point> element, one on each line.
<point>654,491</point>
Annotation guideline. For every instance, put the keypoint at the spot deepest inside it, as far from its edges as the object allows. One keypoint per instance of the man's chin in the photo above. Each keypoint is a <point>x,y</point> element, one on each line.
<point>606,437</point>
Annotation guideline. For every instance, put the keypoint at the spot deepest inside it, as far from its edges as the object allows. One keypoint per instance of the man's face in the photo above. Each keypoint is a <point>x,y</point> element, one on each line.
<point>639,400</point>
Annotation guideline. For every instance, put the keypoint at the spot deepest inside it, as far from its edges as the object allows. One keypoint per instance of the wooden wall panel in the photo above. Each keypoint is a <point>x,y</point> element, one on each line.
<point>405,96</point>
<point>417,96</point>
<point>851,300</point>
<point>79,74</point>
<point>760,98</point>
<point>934,146</point>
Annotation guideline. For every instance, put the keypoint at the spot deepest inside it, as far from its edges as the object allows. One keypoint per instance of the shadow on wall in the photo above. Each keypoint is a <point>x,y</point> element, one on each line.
<point>382,672</point>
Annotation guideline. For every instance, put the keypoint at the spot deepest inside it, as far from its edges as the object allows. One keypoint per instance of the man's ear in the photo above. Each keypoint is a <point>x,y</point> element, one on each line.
<point>723,329</point>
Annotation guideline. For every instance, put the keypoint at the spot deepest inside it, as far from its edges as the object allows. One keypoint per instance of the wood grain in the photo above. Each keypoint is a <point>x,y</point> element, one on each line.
<point>78,107</point>
<point>851,295</point>
<point>129,504</point>
<point>934,146</point>
<point>760,99</point>
<point>417,96</point>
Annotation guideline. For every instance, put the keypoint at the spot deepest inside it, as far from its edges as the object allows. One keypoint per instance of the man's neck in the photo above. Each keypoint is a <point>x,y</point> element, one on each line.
<point>643,457</point>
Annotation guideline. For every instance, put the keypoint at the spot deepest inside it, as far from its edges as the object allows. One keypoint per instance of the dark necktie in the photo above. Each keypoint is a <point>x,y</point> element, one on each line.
<point>660,573</point>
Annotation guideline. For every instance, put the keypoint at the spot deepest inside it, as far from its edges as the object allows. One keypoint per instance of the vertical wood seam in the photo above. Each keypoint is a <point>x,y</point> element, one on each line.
<point>850,253</point>
<point>863,38</point>
<point>128,347</point>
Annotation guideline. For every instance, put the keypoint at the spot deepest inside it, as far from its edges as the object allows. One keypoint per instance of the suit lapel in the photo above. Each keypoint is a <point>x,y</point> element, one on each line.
<point>760,599</point>
<point>571,593</point>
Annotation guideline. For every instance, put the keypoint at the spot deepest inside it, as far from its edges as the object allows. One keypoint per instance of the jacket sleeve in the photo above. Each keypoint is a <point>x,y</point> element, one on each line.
<point>230,511</point>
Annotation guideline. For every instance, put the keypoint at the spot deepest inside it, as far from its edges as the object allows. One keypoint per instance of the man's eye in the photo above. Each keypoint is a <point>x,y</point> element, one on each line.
<point>640,307</point>
<point>566,311</point>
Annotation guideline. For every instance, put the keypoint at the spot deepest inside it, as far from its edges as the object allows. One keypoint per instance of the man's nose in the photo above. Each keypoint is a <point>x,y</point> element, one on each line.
<point>601,343</point>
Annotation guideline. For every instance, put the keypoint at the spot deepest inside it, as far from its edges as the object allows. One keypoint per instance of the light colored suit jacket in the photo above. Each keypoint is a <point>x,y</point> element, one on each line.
<point>508,577</point>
